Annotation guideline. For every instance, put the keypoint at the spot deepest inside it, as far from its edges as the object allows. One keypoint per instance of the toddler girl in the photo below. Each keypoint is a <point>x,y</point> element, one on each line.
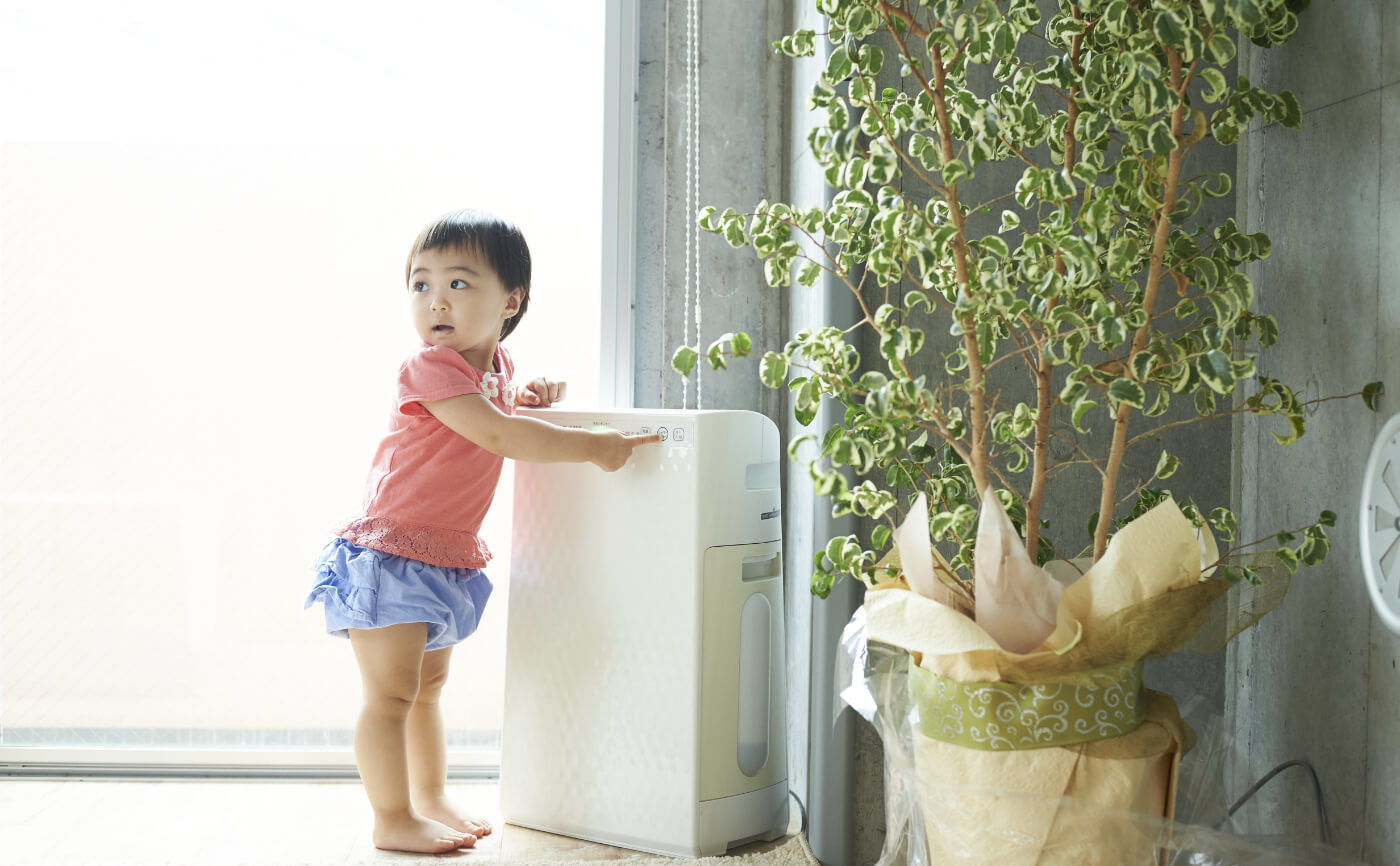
<point>404,581</point>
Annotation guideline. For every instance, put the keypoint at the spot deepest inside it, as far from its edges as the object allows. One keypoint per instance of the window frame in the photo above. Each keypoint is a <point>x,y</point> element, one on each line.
<point>620,86</point>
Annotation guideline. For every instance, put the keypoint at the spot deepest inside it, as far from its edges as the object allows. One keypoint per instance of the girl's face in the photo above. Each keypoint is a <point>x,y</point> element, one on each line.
<point>458,301</point>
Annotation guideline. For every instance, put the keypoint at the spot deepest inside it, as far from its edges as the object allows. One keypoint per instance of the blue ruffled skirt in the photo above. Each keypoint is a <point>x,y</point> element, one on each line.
<point>360,587</point>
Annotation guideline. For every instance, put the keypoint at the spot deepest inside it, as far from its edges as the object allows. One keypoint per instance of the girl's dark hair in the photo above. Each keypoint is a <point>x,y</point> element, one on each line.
<point>494,239</point>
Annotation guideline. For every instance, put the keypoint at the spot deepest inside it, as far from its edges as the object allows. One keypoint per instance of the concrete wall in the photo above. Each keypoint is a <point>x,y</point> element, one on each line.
<point>742,104</point>
<point>1317,680</point>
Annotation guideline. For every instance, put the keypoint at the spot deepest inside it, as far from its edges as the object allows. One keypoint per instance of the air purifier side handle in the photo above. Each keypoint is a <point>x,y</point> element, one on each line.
<point>761,567</point>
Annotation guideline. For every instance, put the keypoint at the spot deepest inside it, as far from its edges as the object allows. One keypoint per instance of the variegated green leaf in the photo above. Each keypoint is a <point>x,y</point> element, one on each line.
<point>683,361</point>
<point>1167,464</point>
<point>772,369</point>
<point>1217,372</point>
<point>1126,391</point>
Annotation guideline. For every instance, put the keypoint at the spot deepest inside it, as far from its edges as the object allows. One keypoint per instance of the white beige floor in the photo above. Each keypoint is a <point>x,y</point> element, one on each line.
<point>118,822</point>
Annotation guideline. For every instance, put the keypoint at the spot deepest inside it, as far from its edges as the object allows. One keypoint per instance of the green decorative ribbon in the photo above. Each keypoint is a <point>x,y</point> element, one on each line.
<point>1000,717</point>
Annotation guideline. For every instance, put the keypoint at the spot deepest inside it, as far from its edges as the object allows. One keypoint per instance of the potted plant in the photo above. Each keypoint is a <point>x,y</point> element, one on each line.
<point>1088,274</point>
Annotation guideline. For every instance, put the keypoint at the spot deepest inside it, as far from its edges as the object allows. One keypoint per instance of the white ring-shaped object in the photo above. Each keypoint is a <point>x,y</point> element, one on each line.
<point>1380,524</point>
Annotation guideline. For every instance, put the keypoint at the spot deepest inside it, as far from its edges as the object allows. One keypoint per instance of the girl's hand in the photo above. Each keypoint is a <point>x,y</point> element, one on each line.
<point>542,393</point>
<point>611,449</point>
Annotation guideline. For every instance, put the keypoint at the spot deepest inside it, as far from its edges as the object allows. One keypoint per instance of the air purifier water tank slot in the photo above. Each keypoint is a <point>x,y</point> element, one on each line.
<point>754,697</point>
<point>742,719</point>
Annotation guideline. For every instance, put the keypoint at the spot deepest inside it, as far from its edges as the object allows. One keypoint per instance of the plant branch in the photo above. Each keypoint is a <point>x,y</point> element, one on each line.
<point>1043,368</point>
<point>936,91</point>
<point>1089,461</point>
<point>892,10</point>
<point>835,268</point>
<point>978,463</point>
<point>869,102</point>
<point>1233,551</point>
<point>1148,434</point>
<point>934,295</point>
<point>1154,279</point>
<point>990,202</point>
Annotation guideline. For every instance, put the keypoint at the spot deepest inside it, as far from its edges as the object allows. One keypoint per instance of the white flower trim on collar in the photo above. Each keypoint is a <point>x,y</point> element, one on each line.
<point>488,384</point>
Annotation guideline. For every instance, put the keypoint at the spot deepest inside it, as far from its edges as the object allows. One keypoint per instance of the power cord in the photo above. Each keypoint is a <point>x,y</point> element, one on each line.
<point>1317,790</point>
<point>801,809</point>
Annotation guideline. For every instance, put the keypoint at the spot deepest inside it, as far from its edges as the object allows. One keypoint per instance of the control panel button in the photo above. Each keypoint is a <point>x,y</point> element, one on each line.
<point>665,434</point>
<point>678,434</point>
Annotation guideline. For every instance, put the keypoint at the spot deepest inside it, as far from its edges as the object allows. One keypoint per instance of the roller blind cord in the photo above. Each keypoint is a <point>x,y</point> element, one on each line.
<point>692,196</point>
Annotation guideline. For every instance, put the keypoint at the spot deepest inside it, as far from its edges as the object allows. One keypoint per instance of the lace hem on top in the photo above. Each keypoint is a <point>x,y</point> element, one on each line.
<point>452,548</point>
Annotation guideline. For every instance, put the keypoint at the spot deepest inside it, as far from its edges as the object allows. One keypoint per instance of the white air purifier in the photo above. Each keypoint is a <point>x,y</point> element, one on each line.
<point>644,703</point>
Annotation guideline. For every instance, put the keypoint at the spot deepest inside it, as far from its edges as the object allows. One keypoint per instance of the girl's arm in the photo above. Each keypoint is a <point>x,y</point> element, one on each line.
<point>530,439</point>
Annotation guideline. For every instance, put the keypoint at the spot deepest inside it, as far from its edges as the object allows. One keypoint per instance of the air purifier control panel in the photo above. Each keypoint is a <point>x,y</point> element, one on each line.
<point>677,433</point>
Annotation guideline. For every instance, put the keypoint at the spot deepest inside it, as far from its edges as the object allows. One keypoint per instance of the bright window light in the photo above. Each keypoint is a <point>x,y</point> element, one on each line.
<point>204,213</point>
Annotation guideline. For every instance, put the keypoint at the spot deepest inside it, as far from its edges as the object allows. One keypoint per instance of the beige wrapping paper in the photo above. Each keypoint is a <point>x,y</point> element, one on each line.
<point>1046,806</point>
<point>971,816</point>
<point>1016,600</point>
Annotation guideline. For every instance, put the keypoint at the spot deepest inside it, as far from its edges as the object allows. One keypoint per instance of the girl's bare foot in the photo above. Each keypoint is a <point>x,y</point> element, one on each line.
<point>445,811</point>
<point>420,835</point>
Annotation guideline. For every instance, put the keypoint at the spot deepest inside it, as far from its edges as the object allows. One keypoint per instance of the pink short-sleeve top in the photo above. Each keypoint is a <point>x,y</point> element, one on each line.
<point>429,487</point>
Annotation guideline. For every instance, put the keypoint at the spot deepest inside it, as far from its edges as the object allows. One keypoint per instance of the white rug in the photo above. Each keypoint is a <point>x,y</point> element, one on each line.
<point>791,852</point>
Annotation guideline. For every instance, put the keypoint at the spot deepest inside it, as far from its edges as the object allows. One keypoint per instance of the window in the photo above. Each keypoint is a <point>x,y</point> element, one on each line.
<point>203,217</point>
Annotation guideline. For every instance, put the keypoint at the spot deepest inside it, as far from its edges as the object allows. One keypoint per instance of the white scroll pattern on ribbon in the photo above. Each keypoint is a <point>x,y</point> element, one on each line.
<point>1005,716</point>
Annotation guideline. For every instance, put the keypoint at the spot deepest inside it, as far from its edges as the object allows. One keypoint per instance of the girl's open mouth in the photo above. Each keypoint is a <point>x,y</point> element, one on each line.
<point>442,329</point>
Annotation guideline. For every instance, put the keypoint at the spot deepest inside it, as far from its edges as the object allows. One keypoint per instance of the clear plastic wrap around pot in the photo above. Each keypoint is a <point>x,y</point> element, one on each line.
<point>932,821</point>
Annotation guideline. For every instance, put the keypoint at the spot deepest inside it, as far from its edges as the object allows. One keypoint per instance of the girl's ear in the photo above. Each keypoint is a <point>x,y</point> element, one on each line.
<point>513,300</point>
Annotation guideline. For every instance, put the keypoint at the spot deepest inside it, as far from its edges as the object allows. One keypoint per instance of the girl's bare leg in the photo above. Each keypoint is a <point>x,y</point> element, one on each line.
<point>427,750</point>
<point>390,659</point>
